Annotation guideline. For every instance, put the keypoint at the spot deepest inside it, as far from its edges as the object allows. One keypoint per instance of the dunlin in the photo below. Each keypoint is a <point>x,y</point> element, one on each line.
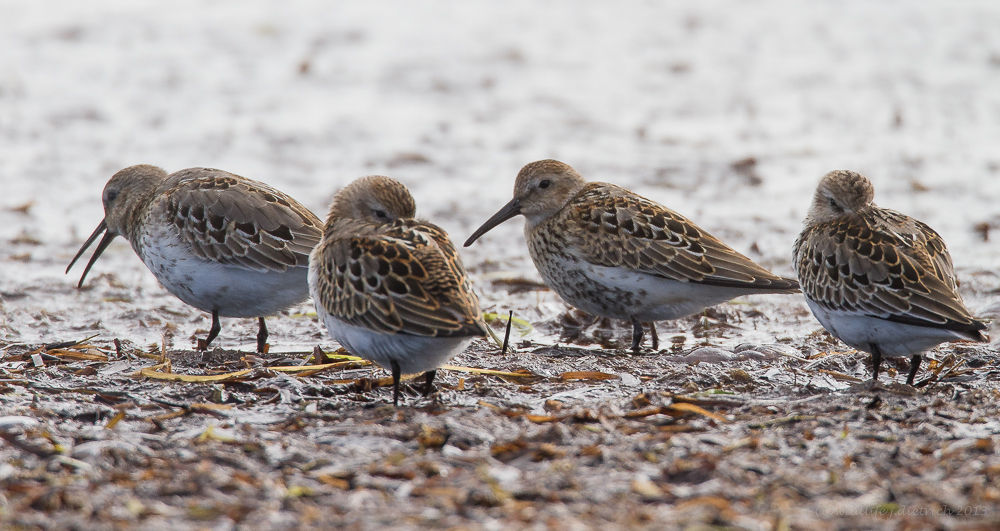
<point>391,288</point>
<point>878,280</point>
<point>219,242</point>
<point>615,254</point>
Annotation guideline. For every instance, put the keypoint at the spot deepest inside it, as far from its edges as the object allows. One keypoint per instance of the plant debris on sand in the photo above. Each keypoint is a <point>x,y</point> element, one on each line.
<point>786,435</point>
<point>749,417</point>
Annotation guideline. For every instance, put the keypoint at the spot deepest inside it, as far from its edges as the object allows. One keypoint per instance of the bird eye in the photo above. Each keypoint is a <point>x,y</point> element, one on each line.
<point>380,214</point>
<point>544,184</point>
<point>833,204</point>
<point>112,194</point>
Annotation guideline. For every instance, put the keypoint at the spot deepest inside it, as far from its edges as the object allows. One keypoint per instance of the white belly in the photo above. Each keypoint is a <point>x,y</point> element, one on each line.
<point>621,293</point>
<point>414,354</point>
<point>893,339</point>
<point>232,290</point>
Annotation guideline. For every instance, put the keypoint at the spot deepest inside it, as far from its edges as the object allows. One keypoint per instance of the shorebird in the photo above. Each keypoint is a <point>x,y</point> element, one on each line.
<point>615,254</point>
<point>219,242</point>
<point>878,280</point>
<point>391,288</point>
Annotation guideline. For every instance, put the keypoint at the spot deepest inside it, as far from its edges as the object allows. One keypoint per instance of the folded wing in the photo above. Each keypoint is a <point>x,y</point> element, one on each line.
<point>626,230</point>
<point>407,279</point>
<point>236,221</point>
<point>889,267</point>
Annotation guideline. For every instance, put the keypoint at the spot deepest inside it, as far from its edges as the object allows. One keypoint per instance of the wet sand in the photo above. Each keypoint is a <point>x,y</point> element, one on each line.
<point>748,417</point>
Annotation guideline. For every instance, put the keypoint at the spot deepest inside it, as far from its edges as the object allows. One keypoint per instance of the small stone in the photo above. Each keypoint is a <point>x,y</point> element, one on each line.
<point>708,355</point>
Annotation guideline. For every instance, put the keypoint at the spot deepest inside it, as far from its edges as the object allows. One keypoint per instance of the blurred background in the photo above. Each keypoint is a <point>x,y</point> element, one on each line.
<point>727,111</point>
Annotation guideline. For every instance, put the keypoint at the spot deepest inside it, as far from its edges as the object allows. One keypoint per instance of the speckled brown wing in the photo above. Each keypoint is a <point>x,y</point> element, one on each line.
<point>407,278</point>
<point>233,220</point>
<point>622,229</point>
<point>918,235</point>
<point>882,264</point>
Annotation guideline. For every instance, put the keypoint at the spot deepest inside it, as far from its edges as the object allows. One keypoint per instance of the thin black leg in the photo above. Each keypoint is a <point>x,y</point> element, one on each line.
<point>914,366</point>
<point>636,335</point>
<point>214,331</point>
<point>653,336</point>
<point>429,378</point>
<point>396,373</point>
<point>506,334</point>
<point>876,360</point>
<point>261,335</point>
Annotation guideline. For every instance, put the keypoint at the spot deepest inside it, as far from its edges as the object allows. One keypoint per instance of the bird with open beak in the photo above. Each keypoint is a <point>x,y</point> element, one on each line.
<point>219,242</point>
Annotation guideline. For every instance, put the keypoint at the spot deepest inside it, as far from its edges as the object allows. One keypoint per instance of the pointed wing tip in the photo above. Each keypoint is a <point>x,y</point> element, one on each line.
<point>776,285</point>
<point>467,330</point>
<point>788,285</point>
<point>978,331</point>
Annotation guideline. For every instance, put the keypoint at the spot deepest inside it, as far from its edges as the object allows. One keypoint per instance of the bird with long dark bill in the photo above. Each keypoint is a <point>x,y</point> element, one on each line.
<point>615,254</point>
<point>221,243</point>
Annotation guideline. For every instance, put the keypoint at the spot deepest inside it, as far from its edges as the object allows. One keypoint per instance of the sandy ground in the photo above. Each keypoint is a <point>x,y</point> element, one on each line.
<point>729,112</point>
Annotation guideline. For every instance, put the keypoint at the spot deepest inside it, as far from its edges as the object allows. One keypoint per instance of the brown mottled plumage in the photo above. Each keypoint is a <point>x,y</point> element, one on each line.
<point>616,254</point>
<point>219,242</point>
<point>233,220</point>
<point>391,288</point>
<point>879,280</point>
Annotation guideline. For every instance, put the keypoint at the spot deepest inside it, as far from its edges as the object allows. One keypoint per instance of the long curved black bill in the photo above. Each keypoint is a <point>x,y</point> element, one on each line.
<point>97,253</point>
<point>508,211</point>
